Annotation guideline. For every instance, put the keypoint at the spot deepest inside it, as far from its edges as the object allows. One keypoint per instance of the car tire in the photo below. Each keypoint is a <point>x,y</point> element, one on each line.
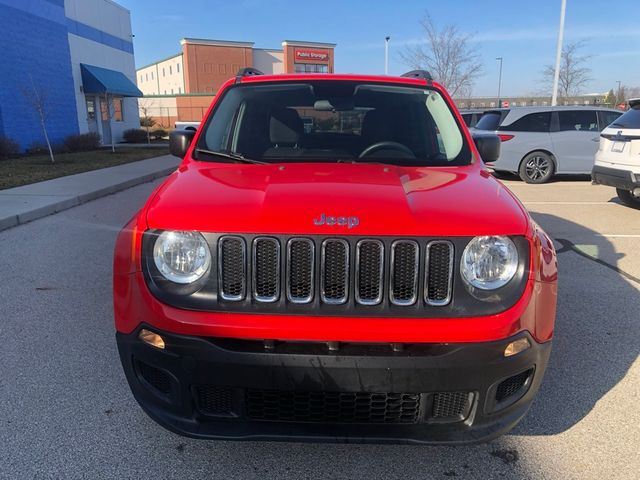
<point>537,167</point>
<point>628,198</point>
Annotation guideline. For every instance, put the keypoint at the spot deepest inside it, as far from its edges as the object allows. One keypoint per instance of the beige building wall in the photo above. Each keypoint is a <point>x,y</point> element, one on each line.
<point>165,77</point>
<point>268,61</point>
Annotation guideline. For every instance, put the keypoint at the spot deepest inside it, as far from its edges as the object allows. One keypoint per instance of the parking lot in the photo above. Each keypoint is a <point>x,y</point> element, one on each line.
<point>66,410</point>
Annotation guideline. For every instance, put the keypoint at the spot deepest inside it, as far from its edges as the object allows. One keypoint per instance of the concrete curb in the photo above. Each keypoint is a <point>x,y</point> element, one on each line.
<point>66,202</point>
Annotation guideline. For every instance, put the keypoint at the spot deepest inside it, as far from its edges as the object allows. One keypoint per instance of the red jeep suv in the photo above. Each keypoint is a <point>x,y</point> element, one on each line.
<point>331,261</point>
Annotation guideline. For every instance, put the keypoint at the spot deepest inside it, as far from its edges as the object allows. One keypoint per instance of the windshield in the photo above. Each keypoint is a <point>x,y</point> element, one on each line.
<point>334,121</point>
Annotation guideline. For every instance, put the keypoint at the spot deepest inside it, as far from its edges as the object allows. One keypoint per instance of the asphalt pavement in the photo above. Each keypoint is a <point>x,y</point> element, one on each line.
<point>66,410</point>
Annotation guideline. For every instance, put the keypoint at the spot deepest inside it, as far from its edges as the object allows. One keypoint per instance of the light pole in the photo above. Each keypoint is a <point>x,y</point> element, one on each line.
<point>386,54</point>
<point>556,74</point>
<point>499,82</point>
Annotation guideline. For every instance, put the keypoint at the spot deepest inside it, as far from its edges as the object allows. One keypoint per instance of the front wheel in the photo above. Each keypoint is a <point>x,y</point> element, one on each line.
<point>537,167</point>
<point>628,198</point>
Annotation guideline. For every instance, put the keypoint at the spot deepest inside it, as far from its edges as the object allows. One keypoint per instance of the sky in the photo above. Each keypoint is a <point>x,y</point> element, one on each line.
<point>524,33</point>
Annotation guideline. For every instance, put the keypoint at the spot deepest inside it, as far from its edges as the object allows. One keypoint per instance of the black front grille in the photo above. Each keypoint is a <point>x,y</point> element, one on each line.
<point>333,407</point>
<point>439,273</point>
<point>214,400</point>
<point>512,385</point>
<point>451,405</point>
<point>404,272</point>
<point>335,271</point>
<point>158,379</point>
<point>266,269</point>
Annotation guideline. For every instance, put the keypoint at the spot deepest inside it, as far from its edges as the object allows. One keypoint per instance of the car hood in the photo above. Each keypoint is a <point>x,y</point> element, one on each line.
<point>336,199</point>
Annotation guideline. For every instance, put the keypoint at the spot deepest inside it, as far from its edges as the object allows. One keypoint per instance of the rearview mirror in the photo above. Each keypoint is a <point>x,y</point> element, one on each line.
<point>179,142</point>
<point>488,145</point>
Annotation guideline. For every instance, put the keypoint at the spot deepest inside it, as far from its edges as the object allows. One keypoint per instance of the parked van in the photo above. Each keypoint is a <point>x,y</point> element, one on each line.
<point>539,142</point>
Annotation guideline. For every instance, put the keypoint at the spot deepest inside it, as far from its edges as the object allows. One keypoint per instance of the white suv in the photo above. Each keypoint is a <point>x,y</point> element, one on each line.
<point>618,157</point>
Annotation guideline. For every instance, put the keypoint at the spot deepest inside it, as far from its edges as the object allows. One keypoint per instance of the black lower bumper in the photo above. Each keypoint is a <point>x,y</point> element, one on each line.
<point>613,177</point>
<point>424,393</point>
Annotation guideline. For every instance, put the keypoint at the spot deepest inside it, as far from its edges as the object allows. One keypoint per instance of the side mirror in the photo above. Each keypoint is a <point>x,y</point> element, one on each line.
<point>488,145</point>
<point>179,141</point>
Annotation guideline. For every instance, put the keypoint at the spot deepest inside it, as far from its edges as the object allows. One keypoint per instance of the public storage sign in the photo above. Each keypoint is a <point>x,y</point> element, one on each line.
<point>306,54</point>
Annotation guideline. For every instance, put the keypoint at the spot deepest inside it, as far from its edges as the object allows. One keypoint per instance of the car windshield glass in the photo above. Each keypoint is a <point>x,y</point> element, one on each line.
<point>331,121</point>
<point>629,119</point>
<point>488,121</point>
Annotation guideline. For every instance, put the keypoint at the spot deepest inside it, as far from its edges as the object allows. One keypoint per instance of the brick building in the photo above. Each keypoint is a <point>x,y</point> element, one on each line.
<point>181,87</point>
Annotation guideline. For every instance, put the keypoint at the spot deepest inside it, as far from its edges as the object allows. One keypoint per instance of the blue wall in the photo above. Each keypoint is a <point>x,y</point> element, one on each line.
<point>34,45</point>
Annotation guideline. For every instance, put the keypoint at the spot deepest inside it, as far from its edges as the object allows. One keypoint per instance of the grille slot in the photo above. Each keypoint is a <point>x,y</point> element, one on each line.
<point>333,407</point>
<point>404,272</point>
<point>335,271</point>
<point>300,270</point>
<point>266,269</point>
<point>451,405</point>
<point>214,400</point>
<point>157,378</point>
<point>439,273</point>
<point>369,272</point>
<point>512,385</point>
<point>232,268</point>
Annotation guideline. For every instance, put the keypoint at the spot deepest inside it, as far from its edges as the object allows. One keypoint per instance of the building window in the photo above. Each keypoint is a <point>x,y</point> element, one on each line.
<point>310,68</point>
<point>172,91</point>
<point>170,72</point>
<point>179,89</point>
<point>151,75</point>
<point>141,78</point>
<point>146,77</point>
<point>178,67</point>
<point>163,74</point>
<point>115,114</point>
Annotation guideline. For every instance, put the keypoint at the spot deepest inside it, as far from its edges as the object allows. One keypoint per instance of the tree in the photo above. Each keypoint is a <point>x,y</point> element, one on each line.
<point>610,98</point>
<point>146,120</point>
<point>447,54</point>
<point>37,98</point>
<point>574,75</point>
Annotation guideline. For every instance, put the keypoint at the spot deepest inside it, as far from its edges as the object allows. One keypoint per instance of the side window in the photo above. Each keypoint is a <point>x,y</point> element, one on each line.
<point>577,120</point>
<point>534,122</point>
<point>607,118</point>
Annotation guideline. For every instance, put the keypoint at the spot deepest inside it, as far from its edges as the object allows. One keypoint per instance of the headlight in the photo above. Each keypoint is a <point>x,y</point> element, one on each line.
<point>181,257</point>
<point>489,263</point>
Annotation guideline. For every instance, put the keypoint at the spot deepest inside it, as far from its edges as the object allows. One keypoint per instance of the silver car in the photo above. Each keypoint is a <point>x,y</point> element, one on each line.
<point>539,142</point>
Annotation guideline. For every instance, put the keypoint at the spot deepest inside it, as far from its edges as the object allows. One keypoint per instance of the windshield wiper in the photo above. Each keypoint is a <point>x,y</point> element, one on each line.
<point>619,125</point>
<point>236,157</point>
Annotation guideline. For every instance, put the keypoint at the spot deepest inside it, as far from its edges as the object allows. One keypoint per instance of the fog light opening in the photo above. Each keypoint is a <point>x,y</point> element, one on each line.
<point>517,346</point>
<point>636,192</point>
<point>151,338</point>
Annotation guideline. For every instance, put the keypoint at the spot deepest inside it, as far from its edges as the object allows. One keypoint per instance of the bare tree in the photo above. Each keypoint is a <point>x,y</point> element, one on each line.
<point>37,98</point>
<point>574,75</point>
<point>145,105</point>
<point>447,54</point>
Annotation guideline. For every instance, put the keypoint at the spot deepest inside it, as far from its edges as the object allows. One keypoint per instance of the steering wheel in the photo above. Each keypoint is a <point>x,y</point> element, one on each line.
<point>375,147</point>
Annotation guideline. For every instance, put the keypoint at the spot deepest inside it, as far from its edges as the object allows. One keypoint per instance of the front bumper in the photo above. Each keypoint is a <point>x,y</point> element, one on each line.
<point>425,393</point>
<point>614,177</point>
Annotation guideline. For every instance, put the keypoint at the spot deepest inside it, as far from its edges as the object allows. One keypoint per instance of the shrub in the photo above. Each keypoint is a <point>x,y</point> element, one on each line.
<point>82,142</point>
<point>158,133</point>
<point>8,148</point>
<point>135,135</point>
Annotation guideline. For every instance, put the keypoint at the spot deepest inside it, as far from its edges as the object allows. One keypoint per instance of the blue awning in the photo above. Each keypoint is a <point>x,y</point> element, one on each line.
<point>102,80</point>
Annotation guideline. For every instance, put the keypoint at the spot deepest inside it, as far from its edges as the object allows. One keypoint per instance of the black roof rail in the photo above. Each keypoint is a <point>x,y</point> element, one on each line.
<point>247,72</point>
<point>418,74</point>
